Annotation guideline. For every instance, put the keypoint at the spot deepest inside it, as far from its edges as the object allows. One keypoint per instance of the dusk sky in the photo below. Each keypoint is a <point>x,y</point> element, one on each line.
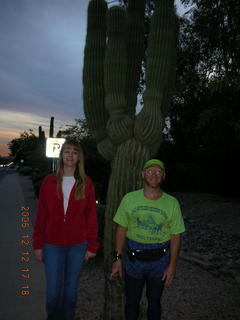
<point>41,60</point>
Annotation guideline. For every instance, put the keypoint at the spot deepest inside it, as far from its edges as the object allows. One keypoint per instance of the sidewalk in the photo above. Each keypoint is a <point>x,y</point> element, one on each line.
<point>22,277</point>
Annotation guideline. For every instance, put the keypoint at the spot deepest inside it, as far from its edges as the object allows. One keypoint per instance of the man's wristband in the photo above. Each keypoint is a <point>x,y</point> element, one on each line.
<point>116,256</point>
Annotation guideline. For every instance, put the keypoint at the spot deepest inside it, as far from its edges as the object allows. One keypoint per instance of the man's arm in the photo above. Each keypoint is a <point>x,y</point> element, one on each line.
<point>175,244</point>
<point>120,242</point>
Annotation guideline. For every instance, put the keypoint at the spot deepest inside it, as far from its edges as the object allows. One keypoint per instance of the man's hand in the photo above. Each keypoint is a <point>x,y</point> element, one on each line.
<point>175,244</point>
<point>39,254</point>
<point>117,269</point>
<point>89,255</point>
<point>169,275</point>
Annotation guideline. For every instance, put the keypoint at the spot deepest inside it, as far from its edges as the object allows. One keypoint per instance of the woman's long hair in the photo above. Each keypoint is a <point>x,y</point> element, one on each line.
<point>79,173</point>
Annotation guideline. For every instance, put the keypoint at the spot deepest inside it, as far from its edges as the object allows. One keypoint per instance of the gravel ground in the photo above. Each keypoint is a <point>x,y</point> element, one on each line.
<point>196,293</point>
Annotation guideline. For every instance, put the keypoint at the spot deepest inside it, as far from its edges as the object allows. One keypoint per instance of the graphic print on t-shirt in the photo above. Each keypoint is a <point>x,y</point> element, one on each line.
<point>149,222</point>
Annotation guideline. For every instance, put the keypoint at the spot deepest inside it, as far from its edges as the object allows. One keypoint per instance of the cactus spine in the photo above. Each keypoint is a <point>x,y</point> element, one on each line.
<point>112,63</point>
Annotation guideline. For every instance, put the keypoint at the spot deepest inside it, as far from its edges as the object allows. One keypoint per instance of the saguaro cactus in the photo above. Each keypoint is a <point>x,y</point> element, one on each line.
<point>112,62</point>
<point>41,136</point>
<point>51,128</point>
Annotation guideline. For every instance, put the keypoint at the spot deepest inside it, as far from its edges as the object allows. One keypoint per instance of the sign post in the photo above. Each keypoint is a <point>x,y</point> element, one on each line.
<point>53,148</point>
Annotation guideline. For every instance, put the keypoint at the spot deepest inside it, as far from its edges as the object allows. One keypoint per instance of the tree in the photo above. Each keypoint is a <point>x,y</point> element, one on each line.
<point>30,149</point>
<point>204,114</point>
<point>77,131</point>
<point>112,64</point>
<point>21,147</point>
<point>215,24</point>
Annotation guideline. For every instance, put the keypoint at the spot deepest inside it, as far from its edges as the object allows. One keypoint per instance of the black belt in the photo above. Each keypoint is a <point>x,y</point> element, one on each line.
<point>146,255</point>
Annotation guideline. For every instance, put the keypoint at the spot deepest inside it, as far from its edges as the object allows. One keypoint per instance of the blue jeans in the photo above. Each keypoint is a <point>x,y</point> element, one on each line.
<point>62,271</point>
<point>137,274</point>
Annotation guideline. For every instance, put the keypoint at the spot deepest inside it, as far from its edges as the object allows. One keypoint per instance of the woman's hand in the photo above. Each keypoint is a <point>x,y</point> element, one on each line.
<point>89,255</point>
<point>39,254</point>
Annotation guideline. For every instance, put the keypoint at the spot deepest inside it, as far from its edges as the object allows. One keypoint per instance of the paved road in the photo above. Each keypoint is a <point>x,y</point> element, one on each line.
<point>22,278</point>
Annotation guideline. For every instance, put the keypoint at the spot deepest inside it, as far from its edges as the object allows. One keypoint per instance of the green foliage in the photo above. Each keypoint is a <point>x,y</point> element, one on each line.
<point>216,29</point>
<point>30,149</point>
<point>77,131</point>
<point>205,110</point>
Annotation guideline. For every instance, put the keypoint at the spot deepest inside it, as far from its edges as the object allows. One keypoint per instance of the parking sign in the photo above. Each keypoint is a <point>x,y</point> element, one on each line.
<point>53,147</point>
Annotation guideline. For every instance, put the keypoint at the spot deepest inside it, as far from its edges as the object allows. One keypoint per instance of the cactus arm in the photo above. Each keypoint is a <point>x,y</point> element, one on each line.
<point>93,71</point>
<point>135,51</point>
<point>120,125</point>
<point>115,61</point>
<point>160,66</point>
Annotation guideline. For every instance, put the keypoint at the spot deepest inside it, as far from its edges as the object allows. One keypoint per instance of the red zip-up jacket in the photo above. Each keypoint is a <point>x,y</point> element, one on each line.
<point>80,221</point>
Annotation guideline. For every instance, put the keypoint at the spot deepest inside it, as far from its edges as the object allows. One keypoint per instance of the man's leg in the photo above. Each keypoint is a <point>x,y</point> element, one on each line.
<point>54,258</point>
<point>133,289</point>
<point>74,262</point>
<point>154,289</point>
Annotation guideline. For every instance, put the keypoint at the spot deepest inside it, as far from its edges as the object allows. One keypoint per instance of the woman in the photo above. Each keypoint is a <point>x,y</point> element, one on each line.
<point>65,230</point>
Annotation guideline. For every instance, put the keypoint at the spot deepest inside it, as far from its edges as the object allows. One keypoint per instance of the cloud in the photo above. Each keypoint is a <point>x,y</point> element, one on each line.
<point>12,124</point>
<point>41,60</point>
<point>41,55</point>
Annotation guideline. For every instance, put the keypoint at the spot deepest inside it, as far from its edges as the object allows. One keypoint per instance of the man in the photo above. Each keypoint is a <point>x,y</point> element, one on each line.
<point>151,222</point>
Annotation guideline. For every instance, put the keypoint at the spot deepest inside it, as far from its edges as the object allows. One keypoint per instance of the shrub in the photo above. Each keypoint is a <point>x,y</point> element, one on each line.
<point>25,170</point>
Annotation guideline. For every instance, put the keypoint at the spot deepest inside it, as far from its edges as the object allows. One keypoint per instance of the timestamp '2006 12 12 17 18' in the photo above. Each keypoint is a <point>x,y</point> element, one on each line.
<point>25,253</point>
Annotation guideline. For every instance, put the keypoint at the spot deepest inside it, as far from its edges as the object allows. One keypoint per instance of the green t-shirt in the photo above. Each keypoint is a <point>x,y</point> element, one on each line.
<point>149,221</point>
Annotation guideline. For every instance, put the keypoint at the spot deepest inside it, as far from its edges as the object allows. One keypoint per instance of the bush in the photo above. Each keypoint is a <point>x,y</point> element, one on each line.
<point>36,187</point>
<point>37,180</point>
<point>25,170</point>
